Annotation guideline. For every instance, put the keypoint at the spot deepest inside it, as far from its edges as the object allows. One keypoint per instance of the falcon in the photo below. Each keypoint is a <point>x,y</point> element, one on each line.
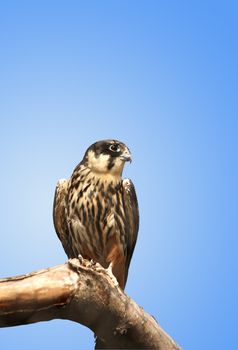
<point>95,212</point>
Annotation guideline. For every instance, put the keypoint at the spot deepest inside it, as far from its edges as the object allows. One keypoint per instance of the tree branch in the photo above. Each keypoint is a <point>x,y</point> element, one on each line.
<point>85,293</point>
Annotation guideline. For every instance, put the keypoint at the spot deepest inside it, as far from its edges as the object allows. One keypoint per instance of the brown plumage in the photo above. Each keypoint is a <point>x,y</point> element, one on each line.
<point>96,211</point>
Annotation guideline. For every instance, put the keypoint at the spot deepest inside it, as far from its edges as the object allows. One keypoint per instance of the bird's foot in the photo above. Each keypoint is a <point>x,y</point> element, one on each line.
<point>82,262</point>
<point>93,262</point>
<point>86,262</point>
<point>80,258</point>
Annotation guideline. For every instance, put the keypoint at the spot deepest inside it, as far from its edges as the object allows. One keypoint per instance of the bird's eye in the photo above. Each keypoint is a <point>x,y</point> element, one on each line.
<point>114,148</point>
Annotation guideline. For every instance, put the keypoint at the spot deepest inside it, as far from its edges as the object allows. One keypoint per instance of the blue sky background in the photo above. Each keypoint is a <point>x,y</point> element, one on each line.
<point>162,77</point>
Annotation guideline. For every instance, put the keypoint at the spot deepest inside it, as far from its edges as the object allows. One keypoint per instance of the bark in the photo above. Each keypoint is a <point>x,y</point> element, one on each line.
<point>86,293</point>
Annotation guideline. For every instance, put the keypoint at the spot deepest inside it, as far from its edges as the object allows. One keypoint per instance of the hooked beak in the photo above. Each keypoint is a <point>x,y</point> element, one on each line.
<point>126,156</point>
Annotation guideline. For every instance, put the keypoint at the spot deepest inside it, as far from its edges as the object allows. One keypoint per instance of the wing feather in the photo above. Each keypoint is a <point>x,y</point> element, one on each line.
<point>132,214</point>
<point>60,217</point>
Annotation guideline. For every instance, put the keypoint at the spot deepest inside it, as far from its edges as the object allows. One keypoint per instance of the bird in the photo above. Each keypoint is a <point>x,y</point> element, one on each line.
<point>95,211</point>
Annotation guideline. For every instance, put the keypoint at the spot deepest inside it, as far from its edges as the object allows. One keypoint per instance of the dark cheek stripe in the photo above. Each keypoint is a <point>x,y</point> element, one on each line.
<point>111,163</point>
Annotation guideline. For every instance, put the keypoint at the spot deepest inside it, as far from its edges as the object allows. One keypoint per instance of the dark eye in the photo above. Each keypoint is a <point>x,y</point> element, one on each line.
<point>114,148</point>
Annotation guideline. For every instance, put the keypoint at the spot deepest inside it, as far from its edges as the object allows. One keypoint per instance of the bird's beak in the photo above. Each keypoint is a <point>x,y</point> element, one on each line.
<point>126,156</point>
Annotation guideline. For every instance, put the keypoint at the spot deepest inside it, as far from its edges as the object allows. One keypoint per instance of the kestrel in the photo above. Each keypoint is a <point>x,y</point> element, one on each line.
<point>96,211</point>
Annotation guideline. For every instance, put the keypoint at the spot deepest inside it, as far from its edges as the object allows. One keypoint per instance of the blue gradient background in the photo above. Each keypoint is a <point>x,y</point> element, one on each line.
<point>162,77</point>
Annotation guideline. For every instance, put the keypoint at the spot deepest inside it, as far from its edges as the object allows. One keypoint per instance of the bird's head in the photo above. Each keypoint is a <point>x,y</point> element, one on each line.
<point>107,157</point>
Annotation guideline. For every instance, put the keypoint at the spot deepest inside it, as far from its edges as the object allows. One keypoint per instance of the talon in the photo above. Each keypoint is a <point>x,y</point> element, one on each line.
<point>92,262</point>
<point>80,258</point>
